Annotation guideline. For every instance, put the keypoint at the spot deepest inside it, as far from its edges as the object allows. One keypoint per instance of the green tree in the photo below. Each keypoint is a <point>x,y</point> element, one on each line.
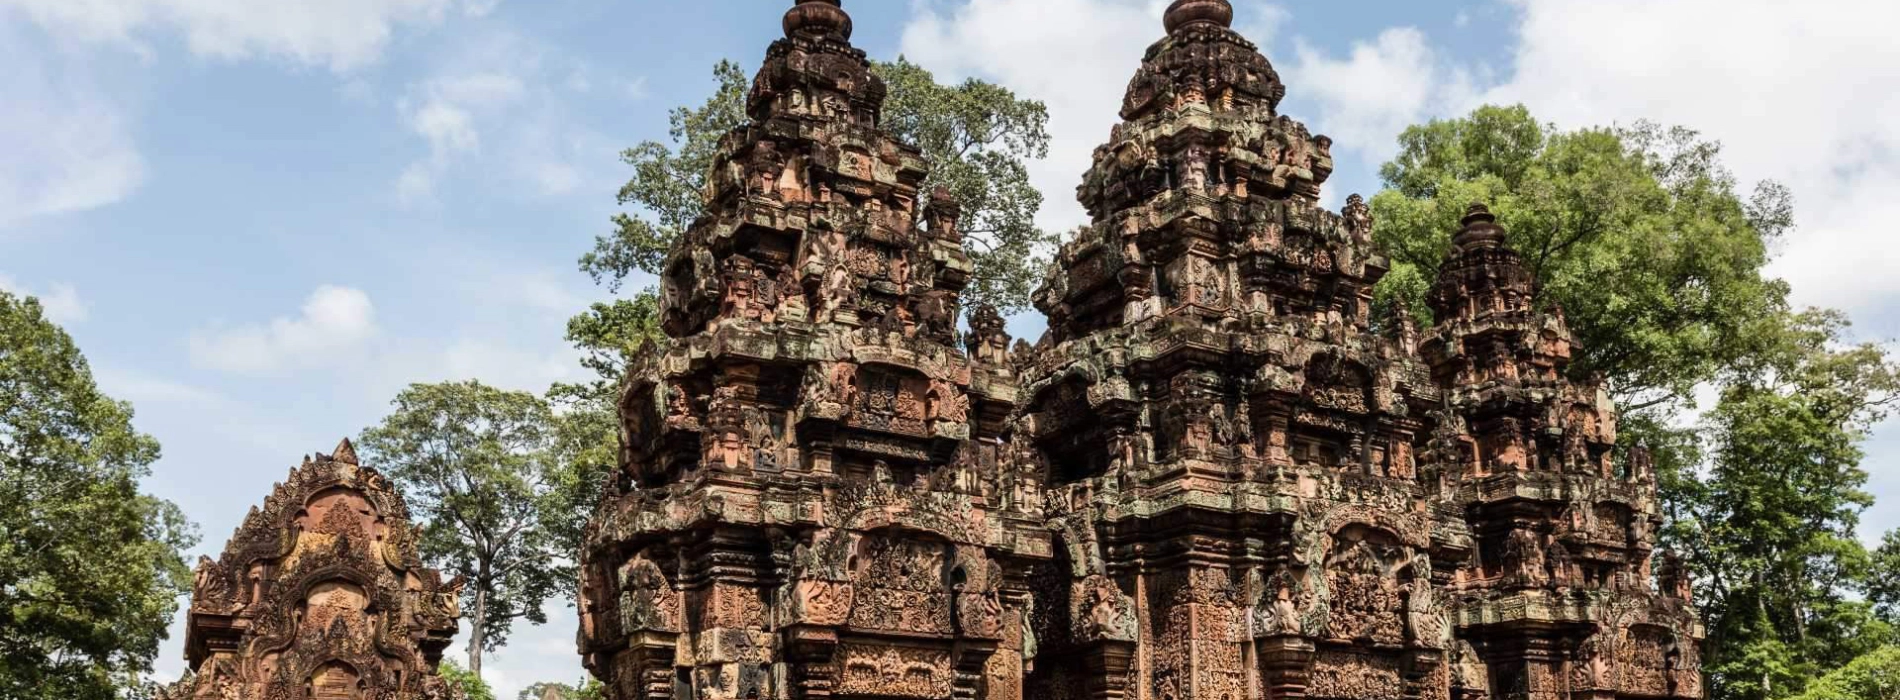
<point>90,567</point>
<point>588,689</point>
<point>977,136</point>
<point>1638,233</point>
<point>608,335</point>
<point>1772,524</point>
<point>475,461</point>
<point>1884,587</point>
<point>1875,676</point>
<point>468,683</point>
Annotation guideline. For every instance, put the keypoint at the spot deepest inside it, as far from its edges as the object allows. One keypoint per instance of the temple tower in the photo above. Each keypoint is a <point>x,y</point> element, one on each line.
<point>1214,478</point>
<point>1231,448</point>
<point>320,596</point>
<point>1559,601</point>
<point>815,499</point>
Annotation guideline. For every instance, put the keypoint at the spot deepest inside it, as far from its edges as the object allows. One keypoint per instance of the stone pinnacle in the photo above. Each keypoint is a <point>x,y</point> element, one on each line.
<point>1187,12</point>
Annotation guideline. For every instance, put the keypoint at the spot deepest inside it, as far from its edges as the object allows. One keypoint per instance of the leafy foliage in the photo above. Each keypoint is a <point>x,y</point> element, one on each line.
<point>588,689</point>
<point>90,568</point>
<point>476,463</point>
<point>668,184</point>
<point>1638,233</point>
<point>1772,523</point>
<point>977,136</point>
<point>468,683</point>
<point>608,336</point>
<point>1884,588</point>
<point>1875,676</point>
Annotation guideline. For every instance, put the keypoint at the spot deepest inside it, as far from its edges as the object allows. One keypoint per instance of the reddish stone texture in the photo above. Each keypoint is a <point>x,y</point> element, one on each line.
<point>816,498</point>
<point>320,596</point>
<point>1216,477</point>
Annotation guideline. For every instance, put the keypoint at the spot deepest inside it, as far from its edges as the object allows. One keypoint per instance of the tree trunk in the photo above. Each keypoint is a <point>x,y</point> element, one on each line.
<point>477,630</point>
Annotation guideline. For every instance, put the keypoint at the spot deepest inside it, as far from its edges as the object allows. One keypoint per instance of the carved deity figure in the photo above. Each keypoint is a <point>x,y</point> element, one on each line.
<point>1524,558</point>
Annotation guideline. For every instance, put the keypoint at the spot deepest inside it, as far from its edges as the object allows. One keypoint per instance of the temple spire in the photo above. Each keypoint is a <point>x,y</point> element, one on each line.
<point>1480,229</point>
<point>1187,12</point>
<point>822,17</point>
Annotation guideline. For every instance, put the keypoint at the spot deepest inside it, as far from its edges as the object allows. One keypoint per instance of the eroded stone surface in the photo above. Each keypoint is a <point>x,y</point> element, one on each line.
<point>1212,478</point>
<point>320,595</point>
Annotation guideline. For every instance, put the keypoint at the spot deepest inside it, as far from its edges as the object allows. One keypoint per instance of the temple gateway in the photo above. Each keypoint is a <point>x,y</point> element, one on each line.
<point>1211,479</point>
<point>320,595</point>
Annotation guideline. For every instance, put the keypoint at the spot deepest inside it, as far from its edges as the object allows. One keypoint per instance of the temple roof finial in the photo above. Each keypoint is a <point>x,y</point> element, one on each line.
<point>1186,12</point>
<point>345,452</point>
<point>1480,227</point>
<point>822,17</point>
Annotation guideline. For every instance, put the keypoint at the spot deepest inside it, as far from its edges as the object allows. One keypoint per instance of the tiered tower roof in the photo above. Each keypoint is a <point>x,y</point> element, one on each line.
<point>319,595</point>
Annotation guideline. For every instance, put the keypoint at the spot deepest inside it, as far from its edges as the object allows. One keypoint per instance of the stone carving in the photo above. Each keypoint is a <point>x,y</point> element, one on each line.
<point>884,671</point>
<point>1103,611</point>
<point>1468,671</point>
<point>825,481</point>
<point>321,591</point>
<point>1342,674</point>
<point>1425,620</point>
<point>1524,559</point>
<point>1216,476</point>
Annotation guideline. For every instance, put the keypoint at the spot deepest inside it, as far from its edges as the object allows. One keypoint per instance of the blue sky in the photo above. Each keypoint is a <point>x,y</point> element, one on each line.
<point>261,219</point>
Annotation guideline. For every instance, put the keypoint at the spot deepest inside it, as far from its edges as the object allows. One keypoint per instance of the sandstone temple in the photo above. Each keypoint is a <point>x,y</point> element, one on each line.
<point>320,596</point>
<point>1215,477</point>
<point>1211,479</point>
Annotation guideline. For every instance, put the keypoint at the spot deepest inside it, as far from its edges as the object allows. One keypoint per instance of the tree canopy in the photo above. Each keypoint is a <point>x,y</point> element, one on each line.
<point>1875,676</point>
<point>468,683</point>
<point>1772,521</point>
<point>476,462</point>
<point>1639,233</point>
<point>90,567</point>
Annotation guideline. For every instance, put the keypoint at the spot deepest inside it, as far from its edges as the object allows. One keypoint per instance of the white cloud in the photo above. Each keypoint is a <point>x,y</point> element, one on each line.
<point>60,301</point>
<point>141,390</point>
<point>340,34</point>
<point>67,144</point>
<point>511,109</point>
<point>333,326</point>
<point>443,113</point>
<point>1366,98</point>
<point>635,88</point>
<point>1806,98</point>
<point>1080,71</point>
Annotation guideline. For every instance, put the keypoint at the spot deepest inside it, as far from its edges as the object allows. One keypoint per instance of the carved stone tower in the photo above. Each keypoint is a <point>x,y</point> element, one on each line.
<point>1216,479</point>
<point>1258,496</point>
<point>320,596</point>
<point>1231,446</point>
<point>815,500</point>
<point>1559,602</point>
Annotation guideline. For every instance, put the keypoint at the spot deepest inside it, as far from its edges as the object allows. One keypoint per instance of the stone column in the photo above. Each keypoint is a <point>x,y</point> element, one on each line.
<point>809,652</point>
<point>649,660</point>
<point>1286,663</point>
<point>1108,670</point>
